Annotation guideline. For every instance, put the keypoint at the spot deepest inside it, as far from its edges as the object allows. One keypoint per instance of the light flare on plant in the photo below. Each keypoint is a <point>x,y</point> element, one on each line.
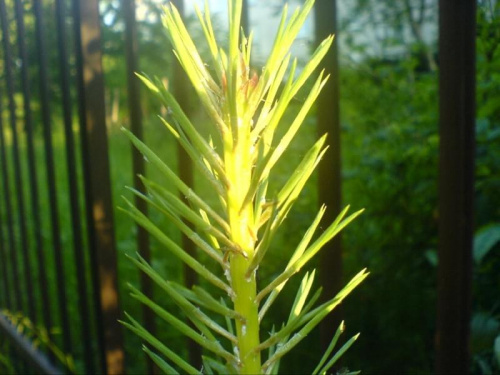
<point>245,109</point>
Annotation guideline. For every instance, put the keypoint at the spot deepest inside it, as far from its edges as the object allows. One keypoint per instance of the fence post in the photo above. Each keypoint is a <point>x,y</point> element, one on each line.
<point>6,247</point>
<point>456,183</point>
<point>18,178</point>
<point>98,185</point>
<point>330,182</point>
<point>47,126</point>
<point>42,281</point>
<point>76,227</point>
<point>138,163</point>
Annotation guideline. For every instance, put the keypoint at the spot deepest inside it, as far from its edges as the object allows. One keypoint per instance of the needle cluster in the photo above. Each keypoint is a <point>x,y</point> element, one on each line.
<point>244,109</point>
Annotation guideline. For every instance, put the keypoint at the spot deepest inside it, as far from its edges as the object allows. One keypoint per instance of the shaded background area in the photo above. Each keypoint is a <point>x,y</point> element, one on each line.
<point>389,117</point>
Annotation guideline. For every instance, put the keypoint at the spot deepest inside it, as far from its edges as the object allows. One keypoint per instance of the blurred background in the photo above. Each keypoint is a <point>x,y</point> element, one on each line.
<point>389,118</point>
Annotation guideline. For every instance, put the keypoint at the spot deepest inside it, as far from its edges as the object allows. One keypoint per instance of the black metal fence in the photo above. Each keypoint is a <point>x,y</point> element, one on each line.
<point>28,280</point>
<point>38,240</point>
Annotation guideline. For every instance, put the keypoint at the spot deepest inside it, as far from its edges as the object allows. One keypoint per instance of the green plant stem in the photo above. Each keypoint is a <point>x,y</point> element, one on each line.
<point>238,170</point>
<point>240,176</point>
<point>244,303</point>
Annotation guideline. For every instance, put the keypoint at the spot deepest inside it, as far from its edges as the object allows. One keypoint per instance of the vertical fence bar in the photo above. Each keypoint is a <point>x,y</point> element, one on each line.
<point>5,246</point>
<point>97,174</point>
<point>457,28</point>
<point>86,179</point>
<point>8,213</point>
<point>17,162</point>
<point>51,178</point>
<point>6,302</point>
<point>138,168</point>
<point>329,170</point>
<point>76,226</point>
<point>33,180</point>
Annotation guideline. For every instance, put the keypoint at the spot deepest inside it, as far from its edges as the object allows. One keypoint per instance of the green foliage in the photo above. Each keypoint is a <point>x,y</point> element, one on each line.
<point>485,240</point>
<point>389,109</point>
<point>390,145</point>
<point>245,111</point>
<point>485,334</point>
<point>484,327</point>
<point>485,324</point>
<point>39,336</point>
<point>6,365</point>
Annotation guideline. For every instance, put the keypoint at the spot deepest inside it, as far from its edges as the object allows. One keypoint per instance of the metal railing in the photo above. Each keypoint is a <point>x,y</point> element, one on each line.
<point>30,196</point>
<point>20,287</point>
